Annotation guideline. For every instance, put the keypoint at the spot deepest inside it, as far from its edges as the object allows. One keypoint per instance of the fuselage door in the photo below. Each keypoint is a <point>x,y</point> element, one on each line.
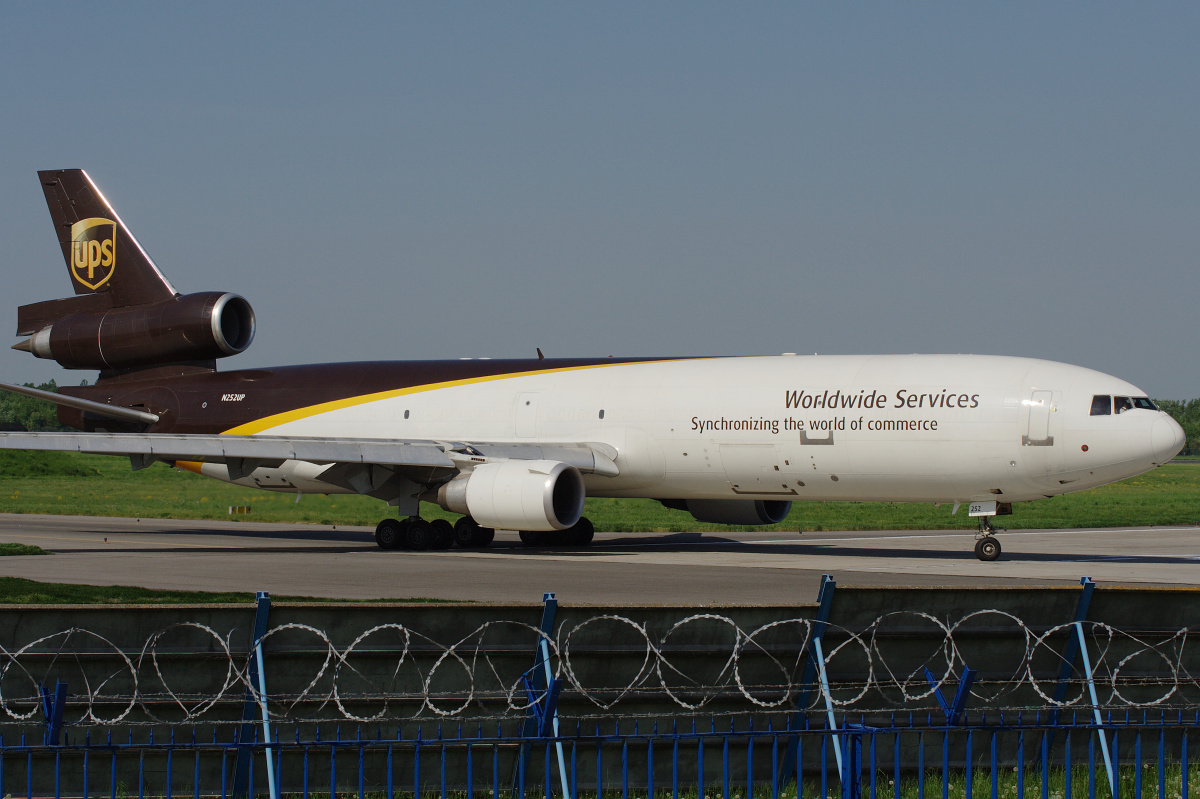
<point>1037,420</point>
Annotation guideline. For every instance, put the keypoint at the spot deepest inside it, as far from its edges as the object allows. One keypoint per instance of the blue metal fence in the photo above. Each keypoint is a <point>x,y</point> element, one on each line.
<point>728,758</point>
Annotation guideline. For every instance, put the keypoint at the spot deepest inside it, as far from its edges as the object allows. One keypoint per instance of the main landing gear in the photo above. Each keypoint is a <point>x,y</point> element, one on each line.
<point>416,533</point>
<point>469,535</point>
<point>987,548</point>
<point>578,535</point>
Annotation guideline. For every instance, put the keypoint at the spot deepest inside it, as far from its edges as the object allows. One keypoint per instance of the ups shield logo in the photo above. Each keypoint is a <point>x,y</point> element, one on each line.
<point>93,251</point>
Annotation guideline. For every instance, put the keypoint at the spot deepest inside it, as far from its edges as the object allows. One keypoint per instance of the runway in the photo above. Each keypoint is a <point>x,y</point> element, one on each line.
<point>644,568</point>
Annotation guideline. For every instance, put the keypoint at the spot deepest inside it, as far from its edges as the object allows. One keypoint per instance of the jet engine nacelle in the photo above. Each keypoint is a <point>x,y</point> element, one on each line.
<point>734,511</point>
<point>518,495</point>
<point>193,327</point>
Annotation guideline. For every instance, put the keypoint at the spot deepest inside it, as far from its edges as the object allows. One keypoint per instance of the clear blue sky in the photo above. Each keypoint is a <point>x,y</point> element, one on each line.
<point>440,180</point>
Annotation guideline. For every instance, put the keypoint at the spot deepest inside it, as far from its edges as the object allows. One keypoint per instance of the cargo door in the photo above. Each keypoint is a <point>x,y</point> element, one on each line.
<point>1037,420</point>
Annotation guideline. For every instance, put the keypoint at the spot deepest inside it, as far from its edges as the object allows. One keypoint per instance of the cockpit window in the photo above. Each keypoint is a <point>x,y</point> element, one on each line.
<point>1104,406</point>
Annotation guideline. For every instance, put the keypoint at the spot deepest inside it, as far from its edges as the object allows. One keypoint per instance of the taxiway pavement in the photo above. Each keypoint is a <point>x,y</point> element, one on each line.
<point>644,568</point>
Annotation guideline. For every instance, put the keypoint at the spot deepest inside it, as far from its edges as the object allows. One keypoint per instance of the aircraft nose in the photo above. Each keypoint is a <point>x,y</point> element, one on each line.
<point>1167,438</point>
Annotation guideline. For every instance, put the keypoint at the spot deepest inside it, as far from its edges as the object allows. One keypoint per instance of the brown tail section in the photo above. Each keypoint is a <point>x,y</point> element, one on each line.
<point>125,315</point>
<point>101,253</point>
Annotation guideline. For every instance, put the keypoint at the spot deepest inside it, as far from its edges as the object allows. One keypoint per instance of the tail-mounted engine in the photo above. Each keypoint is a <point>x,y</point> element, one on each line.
<point>188,328</point>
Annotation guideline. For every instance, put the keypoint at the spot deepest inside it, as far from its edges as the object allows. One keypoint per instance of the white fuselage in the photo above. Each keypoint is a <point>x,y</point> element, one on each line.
<point>907,428</point>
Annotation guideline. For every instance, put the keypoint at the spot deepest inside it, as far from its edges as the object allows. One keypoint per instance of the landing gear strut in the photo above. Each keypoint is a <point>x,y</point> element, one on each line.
<point>987,548</point>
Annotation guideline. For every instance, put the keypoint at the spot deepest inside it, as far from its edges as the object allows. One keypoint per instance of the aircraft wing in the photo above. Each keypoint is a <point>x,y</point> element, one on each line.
<point>243,454</point>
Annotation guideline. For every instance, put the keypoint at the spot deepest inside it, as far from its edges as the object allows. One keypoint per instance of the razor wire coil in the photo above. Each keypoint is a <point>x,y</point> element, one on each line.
<point>394,672</point>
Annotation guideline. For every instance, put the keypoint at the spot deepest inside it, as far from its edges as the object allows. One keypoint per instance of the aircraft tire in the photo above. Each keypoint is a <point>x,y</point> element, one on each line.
<point>533,538</point>
<point>987,548</point>
<point>389,533</point>
<point>582,533</point>
<point>419,535</point>
<point>443,534</point>
<point>469,535</point>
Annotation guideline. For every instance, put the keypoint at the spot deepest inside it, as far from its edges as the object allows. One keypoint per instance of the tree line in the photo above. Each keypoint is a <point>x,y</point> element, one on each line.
<point>26,413</point>
<point>18,412</point>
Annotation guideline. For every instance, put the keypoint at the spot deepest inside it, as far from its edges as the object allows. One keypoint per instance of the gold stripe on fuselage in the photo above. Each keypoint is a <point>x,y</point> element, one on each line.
<point>274,420</point>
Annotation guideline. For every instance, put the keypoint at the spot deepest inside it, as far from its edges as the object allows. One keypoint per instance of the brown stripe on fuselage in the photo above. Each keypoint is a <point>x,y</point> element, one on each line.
<point>216,402</point>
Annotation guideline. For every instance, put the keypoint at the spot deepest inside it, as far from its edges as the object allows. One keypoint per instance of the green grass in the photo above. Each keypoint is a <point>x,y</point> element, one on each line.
<point>21,549</point>
<point>95,485</point>
<point>19,591</point>
<point>17,463</point>
<point>981,786</point>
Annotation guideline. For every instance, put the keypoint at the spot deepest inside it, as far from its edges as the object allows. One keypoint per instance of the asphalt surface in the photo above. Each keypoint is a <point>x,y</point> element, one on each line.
<point>646,568</point>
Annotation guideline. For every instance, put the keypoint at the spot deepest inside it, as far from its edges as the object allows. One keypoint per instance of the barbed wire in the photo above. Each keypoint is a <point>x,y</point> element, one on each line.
<point>191,672</point>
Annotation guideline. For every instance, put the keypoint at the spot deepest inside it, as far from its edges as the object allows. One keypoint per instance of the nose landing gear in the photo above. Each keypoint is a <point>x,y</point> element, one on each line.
<point>987,548</point>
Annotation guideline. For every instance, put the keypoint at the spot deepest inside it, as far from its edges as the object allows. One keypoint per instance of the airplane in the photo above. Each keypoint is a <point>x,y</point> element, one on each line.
<point>519,444</point>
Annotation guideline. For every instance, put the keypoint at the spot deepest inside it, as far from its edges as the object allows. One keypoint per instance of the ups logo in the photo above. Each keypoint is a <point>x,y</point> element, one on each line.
<point>93,251</point>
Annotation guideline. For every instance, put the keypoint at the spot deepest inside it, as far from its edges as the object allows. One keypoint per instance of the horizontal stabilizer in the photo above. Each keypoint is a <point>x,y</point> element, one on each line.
<point>99,408</point>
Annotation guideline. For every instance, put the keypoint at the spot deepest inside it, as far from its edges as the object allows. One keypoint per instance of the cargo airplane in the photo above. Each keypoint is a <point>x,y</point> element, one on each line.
<point>519,444</point>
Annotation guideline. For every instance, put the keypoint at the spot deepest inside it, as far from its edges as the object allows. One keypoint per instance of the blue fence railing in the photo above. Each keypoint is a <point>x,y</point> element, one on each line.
<point>727,758</point>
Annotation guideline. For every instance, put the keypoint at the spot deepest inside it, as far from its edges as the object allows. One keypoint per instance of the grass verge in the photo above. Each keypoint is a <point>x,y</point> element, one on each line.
<point>19,591</point>
<point>1169,495</point>
<point>21,549</point>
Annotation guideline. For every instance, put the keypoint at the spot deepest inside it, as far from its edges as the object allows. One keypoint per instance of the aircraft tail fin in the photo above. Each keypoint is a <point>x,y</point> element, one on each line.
<point>101,253</point>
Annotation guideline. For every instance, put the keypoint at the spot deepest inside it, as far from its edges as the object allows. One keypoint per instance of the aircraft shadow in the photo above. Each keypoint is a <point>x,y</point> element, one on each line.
<point>695,543</point>
<point>308,541</point>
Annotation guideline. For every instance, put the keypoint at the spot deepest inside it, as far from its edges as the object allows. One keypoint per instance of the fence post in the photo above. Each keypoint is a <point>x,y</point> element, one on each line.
<point>788,764</point>
<point>852,760</point>
<point>1087,665</point>
<point>52,708</point>
<point>1072,650</point>
<point>542,690</point>
<point>954,711</point>
<point>256,685</point>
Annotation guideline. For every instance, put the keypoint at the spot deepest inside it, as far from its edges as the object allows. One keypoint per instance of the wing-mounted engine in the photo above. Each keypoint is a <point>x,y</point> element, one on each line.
<point>518,495</point>
<point>184,329</point>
